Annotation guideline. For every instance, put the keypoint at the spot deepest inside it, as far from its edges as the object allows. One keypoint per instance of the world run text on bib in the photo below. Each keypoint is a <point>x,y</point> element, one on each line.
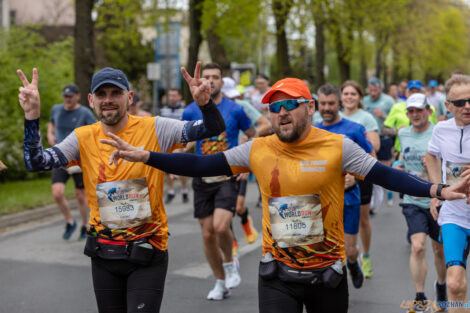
<point>124,203</point>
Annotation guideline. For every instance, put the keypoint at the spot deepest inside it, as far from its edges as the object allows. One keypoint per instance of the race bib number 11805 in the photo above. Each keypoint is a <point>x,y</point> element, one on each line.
<point>296,220</point>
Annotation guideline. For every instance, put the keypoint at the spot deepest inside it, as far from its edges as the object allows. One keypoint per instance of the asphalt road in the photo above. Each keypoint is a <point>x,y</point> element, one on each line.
<point>41,273</point>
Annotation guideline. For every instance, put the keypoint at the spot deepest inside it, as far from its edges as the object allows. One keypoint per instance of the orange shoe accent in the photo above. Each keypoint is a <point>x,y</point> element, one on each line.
<point>250,232</point>
<point>234,247</point>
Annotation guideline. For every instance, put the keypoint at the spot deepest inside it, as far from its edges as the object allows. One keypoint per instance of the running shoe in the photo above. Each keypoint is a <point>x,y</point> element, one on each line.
<point>356,274</point>
<point>441,296</point>
<point>169,198</point>
<point>82,233</point>
<point>235,247</point>
<point>219,292</point>
<point>69,229</point>
<point>185,197</point>
<point>232,276</point>
<point>367,267</point>
<point>250,232</point>
<point>419,306</point>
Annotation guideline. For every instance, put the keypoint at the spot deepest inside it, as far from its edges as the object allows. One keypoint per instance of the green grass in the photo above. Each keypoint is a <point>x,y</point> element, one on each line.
<point>23,195</point>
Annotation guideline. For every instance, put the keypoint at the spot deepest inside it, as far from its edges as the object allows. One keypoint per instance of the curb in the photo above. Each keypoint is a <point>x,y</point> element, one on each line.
<point>32,214</point>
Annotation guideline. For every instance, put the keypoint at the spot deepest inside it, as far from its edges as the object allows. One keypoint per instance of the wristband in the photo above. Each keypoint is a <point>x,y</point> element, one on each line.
<point>398,162</point>
<point>439,191</point>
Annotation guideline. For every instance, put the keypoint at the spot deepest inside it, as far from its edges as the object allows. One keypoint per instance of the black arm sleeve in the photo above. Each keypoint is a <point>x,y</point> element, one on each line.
<point>186,164</point>
<point>213,124</point>
<point>399,181</point>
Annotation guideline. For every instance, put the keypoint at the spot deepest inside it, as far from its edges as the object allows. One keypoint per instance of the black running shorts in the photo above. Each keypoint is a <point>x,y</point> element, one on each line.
<point>207,197</point>
<point>366,191</point>
<point>60,175</point>
<point>385,152</point>
<point>420,220</point>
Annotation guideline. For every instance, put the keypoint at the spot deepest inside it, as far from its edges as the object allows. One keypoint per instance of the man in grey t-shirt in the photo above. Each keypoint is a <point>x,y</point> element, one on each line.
<point>65,118</point>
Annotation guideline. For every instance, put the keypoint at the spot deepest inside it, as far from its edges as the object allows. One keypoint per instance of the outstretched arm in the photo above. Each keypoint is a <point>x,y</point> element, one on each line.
<point>401,181</point>
<point>357,161</point>
<point>175,163</point>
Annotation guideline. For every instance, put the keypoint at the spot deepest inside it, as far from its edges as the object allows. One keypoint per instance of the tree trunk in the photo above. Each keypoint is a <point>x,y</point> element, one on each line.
<point>382,42</point>
<point>319,53</point>
<point>362,58</point>
<point>84,52</point>
<point>395,65</point>
<point>281,10</point>
<point>342,56</point>
<point>217,52</point>
<point>195,39</point>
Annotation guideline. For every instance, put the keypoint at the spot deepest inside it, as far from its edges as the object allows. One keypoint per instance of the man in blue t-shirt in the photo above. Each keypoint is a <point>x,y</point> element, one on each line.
<point>65,118</point>
<point>328,105</point>
<point>215,197</point>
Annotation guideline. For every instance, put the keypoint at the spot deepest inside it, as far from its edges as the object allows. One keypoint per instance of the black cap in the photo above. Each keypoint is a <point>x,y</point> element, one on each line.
<point>109,75</point>
<point>70,90</point>
<point>136,99</point>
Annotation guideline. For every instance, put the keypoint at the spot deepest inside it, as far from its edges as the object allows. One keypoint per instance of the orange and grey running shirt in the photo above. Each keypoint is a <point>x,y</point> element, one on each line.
<point>125,200</point>
<point>302,190</point>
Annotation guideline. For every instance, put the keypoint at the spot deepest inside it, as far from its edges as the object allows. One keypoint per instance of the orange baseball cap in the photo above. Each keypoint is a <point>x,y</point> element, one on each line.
<point>294,87</point>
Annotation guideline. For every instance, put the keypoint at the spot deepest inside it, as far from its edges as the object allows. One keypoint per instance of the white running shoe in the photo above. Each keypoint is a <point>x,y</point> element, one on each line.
<point>232,276</point>
<point>219,292</point>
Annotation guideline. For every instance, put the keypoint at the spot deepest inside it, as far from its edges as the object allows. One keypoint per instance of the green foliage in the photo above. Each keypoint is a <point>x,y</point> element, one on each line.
<point>118,35</point>
<point>24,48</point>
<point>39,193</point>
<point>242,27</point>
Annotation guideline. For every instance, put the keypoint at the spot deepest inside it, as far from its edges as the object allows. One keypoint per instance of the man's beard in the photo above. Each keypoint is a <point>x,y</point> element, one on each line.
<point>331,117</point>
<point>215,93</point>
<point>296,132</point>
<point>111,119</point>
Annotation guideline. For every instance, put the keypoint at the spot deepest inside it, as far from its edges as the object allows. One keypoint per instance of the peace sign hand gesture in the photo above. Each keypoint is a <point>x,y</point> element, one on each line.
<point>29,96</point>
<point>200,87</point>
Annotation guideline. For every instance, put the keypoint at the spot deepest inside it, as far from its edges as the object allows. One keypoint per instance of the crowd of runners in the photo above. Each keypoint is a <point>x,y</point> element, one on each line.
<point>323,162</point>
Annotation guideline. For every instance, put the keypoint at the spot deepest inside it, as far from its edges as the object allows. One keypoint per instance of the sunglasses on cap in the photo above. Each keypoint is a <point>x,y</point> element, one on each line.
<point>275,107</point>
<point>459,103</point>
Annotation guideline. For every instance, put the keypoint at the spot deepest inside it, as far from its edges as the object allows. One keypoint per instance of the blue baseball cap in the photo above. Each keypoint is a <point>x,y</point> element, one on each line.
<point>432,83</point>
<point>415,84</point>
<point>109,75</point>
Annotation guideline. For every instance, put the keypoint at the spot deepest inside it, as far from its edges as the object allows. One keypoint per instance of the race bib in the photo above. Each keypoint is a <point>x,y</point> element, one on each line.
<point>296,220</point>
<point>453,171</point>
<point>124,203</point>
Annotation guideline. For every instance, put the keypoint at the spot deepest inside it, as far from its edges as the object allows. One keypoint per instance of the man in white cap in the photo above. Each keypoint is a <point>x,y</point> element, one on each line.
<point>414,141</point>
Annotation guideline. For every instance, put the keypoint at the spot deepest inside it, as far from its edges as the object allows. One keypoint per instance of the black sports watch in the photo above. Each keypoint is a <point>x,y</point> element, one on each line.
<point>439,191</point>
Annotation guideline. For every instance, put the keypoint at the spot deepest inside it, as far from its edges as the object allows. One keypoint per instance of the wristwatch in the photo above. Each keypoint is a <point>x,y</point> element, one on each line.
<point>439,191</point>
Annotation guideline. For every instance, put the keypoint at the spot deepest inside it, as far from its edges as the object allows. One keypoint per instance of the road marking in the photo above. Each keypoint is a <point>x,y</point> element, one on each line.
<point>203,270</point>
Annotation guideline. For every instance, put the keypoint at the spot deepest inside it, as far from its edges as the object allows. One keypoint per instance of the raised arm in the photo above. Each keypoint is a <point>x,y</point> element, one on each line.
<point>35,157</point>
<point>213,122</point>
